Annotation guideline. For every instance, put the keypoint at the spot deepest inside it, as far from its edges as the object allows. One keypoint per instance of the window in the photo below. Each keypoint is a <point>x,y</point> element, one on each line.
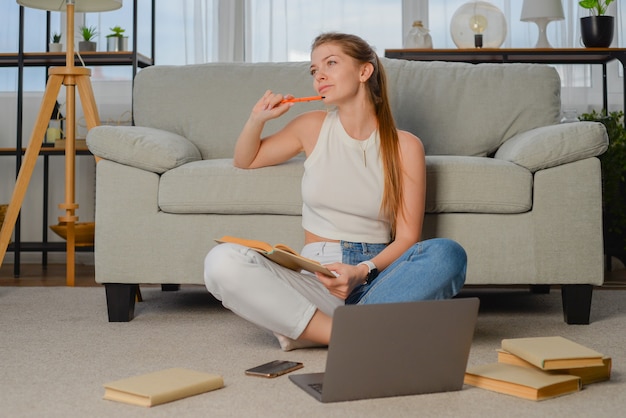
<point>295,23</point>
<point>197,31</point>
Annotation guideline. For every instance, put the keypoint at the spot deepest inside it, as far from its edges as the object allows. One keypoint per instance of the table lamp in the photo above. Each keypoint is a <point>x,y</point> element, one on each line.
<point>71,77</point>
<point>478,24</point>
<point>542,12</point>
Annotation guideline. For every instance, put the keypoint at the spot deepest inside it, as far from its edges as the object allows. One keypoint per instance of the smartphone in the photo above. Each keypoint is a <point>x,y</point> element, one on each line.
<point>274,368</point>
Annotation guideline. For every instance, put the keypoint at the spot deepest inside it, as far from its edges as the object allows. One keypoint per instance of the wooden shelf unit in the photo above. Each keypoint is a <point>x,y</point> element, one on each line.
<point>21,60</point>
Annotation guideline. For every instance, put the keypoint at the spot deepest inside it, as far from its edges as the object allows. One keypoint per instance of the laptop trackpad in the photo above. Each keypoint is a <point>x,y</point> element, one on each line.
<point>310,382</point>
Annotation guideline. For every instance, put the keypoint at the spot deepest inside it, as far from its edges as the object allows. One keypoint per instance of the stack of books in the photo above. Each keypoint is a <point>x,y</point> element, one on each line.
<point>539,368</point>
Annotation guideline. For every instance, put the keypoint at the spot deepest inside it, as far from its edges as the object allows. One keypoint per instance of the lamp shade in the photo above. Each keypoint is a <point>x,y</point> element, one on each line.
<point>79,5</point>
<point>542,9</point>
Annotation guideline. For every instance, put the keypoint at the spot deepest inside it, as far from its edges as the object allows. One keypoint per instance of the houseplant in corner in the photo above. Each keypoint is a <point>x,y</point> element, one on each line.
<point>55,45</point>
<point>613,183</point>
<point>596,30</point>
<point>116,41</point>
<point>88,33</point>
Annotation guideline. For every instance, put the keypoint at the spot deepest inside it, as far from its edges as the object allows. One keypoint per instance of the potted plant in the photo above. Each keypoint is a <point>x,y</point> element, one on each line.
<point>116,41</point>
<point>88,33</point>
<point>596,30</point>
<point>55,44</point>
<point>613,183</point>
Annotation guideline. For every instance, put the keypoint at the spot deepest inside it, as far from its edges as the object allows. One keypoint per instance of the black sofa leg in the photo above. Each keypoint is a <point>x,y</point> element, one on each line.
<point>170,287</point>
<point>576,303</point>
<point>121,301</point>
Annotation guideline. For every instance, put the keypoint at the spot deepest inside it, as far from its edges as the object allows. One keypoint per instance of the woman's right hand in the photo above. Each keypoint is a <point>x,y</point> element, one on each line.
<point>347,278</point>
<point>254,151</point>
<point>270,107</point>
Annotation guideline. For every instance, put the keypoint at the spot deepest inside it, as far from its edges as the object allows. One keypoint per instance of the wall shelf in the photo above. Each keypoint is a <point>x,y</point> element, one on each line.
<point>48,59</point>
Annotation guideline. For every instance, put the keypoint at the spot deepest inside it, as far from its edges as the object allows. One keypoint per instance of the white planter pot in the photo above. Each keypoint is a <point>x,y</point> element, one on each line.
<point>55,47</point>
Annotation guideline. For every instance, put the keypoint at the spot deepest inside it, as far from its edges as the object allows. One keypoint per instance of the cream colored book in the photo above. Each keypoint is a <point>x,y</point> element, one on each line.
<point>523,382</point>
<point>281,254</point>
<point>552,353</point>
<point>588,375</point>
<point>160,387</point>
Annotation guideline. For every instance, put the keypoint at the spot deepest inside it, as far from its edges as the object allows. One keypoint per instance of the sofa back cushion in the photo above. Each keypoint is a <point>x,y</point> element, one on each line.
<point>469,109</point>
<point>210,103</point>
<point>455,108</point>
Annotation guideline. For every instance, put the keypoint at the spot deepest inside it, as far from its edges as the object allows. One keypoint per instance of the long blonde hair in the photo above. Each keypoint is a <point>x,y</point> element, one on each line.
<point>362,52</point>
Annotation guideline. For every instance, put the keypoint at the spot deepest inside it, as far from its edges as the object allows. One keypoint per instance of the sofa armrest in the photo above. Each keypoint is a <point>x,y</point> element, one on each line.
<point>146,148</point>
<point>554,145</point>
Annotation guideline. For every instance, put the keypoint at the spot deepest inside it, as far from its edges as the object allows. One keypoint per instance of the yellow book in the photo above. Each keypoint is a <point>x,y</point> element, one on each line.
<point>588,375</point>
<point>281,254</point>
<point>160,387</point>
<point>552,353</point>
<point>523,382</point>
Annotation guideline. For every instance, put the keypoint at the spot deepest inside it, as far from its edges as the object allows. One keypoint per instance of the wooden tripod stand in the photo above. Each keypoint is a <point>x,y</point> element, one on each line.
<point>71,77</point>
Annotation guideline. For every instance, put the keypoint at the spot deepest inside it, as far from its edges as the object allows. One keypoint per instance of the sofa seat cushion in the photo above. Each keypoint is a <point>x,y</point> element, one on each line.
<point>216,186</point>
<point>476,185</point>
<point>455,184</point>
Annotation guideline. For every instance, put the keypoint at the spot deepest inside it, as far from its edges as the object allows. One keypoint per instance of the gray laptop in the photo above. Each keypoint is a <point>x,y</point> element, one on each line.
<point>395,349</point>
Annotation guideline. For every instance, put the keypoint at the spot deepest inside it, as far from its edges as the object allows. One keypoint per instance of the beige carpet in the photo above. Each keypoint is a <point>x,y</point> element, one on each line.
<point>57,350</point>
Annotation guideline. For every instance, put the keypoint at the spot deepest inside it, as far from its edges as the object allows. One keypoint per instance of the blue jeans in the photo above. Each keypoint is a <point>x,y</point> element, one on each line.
<point>431,269</point>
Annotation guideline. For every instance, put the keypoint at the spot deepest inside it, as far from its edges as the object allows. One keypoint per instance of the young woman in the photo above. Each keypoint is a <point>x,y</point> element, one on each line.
<point>363,194</point>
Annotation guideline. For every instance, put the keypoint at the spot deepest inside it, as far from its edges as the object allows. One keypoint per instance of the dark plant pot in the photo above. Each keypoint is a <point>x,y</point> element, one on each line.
<point>86,46</point>
<point>597,31</point>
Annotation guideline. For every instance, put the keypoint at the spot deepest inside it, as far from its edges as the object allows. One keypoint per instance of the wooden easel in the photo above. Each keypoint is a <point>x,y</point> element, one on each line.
<point>71,77</point>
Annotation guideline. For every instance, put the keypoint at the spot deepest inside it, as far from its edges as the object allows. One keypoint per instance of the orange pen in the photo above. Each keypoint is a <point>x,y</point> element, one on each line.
<point>302,99</point>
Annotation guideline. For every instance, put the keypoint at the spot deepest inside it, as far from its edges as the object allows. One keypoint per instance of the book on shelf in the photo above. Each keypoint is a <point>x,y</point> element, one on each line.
<point>588,375</point>
<point>523,382</point>
<point>279,253</point>
<point>161,387</point>
<point>553,353</point>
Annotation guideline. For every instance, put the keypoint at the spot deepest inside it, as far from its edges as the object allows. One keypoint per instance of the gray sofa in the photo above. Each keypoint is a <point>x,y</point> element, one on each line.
<point>519,191</point>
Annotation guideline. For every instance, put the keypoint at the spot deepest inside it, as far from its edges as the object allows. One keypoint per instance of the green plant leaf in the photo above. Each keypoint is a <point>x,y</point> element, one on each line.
<point>118,32</point>
<point>613,163</point>
<point>597,7</point>
<point>88,33</point>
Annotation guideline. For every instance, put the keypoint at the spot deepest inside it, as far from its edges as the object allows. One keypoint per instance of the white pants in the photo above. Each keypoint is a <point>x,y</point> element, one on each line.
<point>267,294</point>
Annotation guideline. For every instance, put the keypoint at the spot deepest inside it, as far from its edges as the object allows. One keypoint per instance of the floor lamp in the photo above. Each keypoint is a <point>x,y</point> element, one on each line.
<point>72,78</point>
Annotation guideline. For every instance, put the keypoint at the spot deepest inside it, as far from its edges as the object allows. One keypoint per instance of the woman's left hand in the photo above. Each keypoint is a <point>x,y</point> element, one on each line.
<point>348,278</point>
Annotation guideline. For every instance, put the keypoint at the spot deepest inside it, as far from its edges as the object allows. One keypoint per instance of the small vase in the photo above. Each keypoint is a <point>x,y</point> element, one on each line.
<point>597,31</point>
<point>418,37</point>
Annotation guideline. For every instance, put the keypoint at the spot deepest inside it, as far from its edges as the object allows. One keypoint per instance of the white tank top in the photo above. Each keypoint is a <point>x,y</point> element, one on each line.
<point>342,186</point>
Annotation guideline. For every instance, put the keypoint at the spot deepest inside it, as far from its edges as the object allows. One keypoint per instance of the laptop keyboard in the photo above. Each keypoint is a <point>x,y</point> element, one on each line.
<point>316,387</point>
